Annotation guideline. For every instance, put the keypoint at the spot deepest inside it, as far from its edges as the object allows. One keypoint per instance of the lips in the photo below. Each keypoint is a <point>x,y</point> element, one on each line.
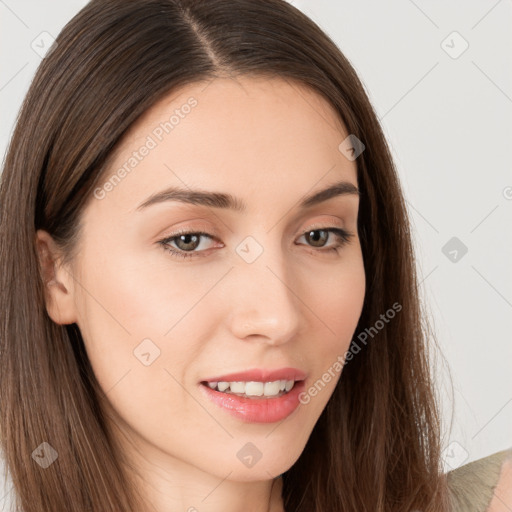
<point>274,401</point>
<point>260,375</point>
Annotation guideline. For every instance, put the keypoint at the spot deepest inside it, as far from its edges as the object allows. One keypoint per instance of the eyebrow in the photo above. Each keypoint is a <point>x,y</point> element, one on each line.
<point>230,202</point>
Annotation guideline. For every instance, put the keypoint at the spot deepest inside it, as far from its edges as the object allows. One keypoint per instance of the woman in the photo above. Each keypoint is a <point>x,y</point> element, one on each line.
<point>208,277</point>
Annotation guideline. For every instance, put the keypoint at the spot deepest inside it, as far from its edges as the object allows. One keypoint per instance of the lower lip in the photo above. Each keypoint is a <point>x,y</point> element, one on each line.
<point>258,409</point>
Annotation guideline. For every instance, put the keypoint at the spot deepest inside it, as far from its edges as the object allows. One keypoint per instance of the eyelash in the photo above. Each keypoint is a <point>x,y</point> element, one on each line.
<point>343,237</point>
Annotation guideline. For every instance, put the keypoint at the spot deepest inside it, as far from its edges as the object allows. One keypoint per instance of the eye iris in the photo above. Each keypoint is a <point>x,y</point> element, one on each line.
<point>187,237</point>
<point>322,238</point>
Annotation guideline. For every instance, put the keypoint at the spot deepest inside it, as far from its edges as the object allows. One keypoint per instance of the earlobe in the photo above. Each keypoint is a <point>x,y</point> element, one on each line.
<point>57,280</point>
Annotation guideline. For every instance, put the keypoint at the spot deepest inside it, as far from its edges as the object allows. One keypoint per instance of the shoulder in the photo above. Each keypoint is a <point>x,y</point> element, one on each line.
<point>502,499</point>
<point>484,485</point>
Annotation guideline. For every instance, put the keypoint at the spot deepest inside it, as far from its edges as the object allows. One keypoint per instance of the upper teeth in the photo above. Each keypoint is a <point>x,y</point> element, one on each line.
<point>254,388</point>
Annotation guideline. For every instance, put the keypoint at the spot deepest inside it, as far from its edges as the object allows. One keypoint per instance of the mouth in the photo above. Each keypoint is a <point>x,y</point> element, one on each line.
<point>256,396</point>
<point>253,389</point>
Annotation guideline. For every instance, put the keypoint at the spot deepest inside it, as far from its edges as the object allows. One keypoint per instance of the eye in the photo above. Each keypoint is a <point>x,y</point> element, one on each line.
<point>188,241</point>
<point>317,236</point>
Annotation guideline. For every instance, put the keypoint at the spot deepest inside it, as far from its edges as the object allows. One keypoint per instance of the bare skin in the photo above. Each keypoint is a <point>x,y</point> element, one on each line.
<point>502,496</point>
<point>269,143</point>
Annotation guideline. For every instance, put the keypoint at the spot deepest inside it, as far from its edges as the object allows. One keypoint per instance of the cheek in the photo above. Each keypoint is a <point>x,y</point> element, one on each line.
<point>141,312</point>
<point>335,295</point>
<point>141,335</point>
<point>138,295</point>
<point>126,306</point>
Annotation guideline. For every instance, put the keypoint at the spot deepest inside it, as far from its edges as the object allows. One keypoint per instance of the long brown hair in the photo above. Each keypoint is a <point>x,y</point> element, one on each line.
<point>377,443</point>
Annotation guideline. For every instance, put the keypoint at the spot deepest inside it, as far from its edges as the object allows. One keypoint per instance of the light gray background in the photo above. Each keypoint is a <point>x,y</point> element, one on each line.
<point>448,120</point>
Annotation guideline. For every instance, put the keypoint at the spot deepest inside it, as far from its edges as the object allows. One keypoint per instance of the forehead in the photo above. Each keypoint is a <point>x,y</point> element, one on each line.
<point>248,136</point>
<point>244,101</point>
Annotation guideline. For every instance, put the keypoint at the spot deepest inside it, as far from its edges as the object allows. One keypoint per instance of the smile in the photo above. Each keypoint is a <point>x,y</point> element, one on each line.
<point>258,395</point>
<point>252,388</point>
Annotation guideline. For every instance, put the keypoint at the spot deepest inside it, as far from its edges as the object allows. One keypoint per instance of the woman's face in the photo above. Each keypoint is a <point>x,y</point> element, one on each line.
<point>264,289</point>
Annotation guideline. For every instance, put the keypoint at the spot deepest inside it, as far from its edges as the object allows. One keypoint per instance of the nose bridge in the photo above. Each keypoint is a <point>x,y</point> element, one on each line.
<point>264,301</point>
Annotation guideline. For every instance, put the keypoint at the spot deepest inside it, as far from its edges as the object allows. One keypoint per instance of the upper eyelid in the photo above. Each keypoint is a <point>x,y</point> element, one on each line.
<point>320,226</point>
<point>207,232</point>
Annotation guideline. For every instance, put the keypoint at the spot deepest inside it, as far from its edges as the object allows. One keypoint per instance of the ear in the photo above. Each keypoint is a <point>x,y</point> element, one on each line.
<point>58,280</point>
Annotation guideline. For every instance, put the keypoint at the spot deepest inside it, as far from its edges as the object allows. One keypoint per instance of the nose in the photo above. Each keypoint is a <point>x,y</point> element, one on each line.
<point>263,304</point>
